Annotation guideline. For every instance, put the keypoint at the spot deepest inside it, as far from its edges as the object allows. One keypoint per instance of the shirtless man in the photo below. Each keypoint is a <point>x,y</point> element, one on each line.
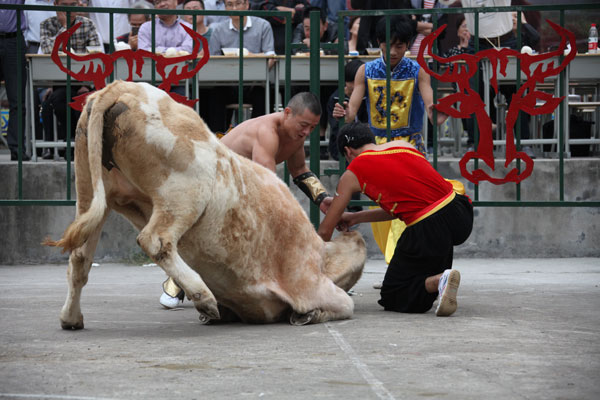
<point>269,140</point>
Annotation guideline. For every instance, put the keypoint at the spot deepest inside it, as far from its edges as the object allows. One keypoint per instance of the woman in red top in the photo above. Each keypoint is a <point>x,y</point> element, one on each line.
<point>403,183</point>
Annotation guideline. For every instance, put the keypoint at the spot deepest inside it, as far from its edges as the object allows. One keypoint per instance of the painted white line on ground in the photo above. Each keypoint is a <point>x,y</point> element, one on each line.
<point>375,384</point>
<point>49,396</point>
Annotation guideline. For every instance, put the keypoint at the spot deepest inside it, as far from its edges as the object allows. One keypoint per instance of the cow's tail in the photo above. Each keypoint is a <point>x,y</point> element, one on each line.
<point>87,222</point>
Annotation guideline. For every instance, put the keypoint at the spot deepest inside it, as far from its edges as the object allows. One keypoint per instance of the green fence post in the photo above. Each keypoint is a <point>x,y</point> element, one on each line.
<point>518,85</point>
<point>69,115</point>
<point>20,125</point>
<point>561,122</point>
<point>288,77</point>
<point>315,78</point>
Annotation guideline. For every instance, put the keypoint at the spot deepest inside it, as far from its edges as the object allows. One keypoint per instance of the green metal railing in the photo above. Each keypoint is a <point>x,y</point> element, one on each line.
<point>519,9</point>
<point>315,88</point>
<point>21,201</point>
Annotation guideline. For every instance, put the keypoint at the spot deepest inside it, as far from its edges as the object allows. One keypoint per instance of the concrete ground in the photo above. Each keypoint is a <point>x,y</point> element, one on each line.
<point>525,329</point>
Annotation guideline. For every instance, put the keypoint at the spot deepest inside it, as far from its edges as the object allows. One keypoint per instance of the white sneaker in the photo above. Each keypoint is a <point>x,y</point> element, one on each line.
<point>447,289</point>
<point>377,285</point>
<point>170,302</point>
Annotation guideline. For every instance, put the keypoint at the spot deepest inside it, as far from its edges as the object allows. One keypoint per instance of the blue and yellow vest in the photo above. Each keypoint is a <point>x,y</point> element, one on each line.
<point>407,105</point>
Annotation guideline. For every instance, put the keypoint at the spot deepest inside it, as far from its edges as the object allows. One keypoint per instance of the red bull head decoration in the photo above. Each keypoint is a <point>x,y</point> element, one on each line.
<point>97,73</point>
<point>467,102</point>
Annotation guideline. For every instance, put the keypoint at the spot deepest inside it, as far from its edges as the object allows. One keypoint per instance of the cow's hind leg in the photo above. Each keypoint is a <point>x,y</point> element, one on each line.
<point>159,240</point>
<point>80,262</point>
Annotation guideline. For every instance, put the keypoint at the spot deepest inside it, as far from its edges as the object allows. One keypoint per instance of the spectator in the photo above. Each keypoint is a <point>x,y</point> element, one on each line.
<point>464,36</point>
<point>258,35</point>
<point>296,7</point>
<point>367,37</point>
<point>331,8</point>
<point>361,116</point>
<point>10,37</point>
<point>327,33</point>
<point>215,5</point>
<point>529,35</point>
<point>32,37</point>
<point>102,20</point>
<point>353,29</point>
<point>258,39</point>
<point>85,35</point>
<point>55,102</point>
<point>34,19</point>
<point>201,28</point>
<point>334,126</point>
<point>135,22</point>
<point>424,21</point>
<point>169,35</point>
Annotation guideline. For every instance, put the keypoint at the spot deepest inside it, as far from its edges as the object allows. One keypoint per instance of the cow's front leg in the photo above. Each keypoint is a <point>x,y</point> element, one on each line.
<point>159,241</point>
<point>303,319</point>
<point>80,262</point>
<point>332,303</point>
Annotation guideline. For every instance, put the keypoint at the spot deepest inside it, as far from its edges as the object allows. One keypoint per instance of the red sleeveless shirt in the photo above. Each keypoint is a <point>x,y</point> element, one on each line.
<point>402,182</point>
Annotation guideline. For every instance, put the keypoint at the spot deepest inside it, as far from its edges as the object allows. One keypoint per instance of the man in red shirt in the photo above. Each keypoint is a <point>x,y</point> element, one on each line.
<point>403,183</point>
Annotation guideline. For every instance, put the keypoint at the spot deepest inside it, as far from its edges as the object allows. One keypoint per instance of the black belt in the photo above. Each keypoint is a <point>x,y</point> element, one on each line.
<point>498,39</point>
<point>8,35</point>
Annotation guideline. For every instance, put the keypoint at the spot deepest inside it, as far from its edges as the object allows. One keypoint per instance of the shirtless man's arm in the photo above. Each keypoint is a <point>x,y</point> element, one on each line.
<point>299,171</point>
<point>264,150</point>
<point>297,163</point>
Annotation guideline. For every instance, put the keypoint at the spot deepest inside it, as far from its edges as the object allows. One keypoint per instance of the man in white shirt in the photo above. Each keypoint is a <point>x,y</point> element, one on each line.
<point>495,29</point>
<point>34,19</point>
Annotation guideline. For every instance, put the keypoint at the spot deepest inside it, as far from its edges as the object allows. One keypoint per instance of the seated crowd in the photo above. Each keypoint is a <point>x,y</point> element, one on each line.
<point>264,36</point>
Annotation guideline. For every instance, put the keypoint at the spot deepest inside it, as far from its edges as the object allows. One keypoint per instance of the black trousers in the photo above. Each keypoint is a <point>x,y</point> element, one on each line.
<point>56,104</point>
<point>425,249</point>
<point>8,73</point>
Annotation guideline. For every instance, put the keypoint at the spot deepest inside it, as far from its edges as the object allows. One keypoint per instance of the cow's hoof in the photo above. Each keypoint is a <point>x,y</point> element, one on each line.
<point>70,326</point>
<point>208,309</point>
<point>205,319</point>
<point>302,319</point>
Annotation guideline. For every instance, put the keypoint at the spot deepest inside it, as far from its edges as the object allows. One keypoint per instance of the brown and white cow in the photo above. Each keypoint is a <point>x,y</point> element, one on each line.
<point>228,230</point>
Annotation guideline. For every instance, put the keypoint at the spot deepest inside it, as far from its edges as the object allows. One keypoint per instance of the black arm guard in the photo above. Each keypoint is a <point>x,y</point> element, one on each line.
<point>311,186</point>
